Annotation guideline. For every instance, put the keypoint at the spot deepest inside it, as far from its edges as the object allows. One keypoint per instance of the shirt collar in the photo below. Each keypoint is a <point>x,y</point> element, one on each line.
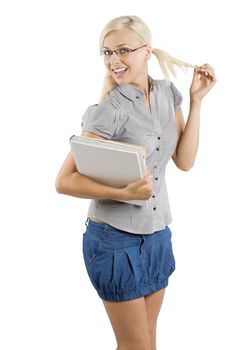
<point>131,92</point>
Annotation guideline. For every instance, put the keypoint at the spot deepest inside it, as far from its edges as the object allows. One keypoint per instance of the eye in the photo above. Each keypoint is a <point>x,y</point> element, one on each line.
<point>107,52</point>
<point>124,50</point>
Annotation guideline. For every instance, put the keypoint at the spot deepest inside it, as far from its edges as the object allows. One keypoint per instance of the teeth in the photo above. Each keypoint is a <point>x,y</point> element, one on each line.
<point>119,70</point>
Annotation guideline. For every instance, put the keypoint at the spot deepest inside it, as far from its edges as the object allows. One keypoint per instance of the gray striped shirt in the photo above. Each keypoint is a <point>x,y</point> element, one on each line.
<point>123,116</point>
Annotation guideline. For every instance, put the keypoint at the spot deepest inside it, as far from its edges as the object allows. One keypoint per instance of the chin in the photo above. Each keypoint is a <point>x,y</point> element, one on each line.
<point>122,81</point>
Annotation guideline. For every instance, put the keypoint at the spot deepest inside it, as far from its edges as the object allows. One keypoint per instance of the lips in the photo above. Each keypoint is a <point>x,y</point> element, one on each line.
<point>119,72</point>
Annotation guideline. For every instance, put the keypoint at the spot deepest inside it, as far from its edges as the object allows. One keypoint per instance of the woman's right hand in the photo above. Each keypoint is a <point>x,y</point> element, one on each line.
<point>140,189</point>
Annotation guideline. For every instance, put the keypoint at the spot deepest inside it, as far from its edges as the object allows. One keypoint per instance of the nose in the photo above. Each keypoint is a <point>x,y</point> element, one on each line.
<point>114,58</point>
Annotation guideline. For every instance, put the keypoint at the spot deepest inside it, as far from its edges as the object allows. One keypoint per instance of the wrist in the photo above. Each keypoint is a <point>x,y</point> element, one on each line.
<point>119,193</point>
<point>195,102</point>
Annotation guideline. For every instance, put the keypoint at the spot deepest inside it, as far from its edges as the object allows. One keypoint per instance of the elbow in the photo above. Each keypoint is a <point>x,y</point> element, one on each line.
<point>67,184</point>
<point>185,167</point>
<point>183,164</point>
<point>59,186</point>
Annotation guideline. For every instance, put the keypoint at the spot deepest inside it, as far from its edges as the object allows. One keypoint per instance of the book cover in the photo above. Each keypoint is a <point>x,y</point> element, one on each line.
<point>109,162</point>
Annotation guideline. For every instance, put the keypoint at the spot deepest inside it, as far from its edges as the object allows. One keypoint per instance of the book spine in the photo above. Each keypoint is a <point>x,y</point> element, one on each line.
<point>71,137</point>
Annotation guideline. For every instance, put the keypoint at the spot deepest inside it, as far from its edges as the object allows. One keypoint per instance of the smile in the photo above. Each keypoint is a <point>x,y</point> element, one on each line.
<point>119,72</point>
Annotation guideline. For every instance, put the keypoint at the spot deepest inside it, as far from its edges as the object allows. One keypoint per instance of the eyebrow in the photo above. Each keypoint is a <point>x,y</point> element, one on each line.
<point>105,47</point>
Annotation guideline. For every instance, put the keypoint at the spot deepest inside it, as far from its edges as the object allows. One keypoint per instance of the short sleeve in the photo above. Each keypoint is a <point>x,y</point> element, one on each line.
<point>177,97</point>
<point>100,119</point>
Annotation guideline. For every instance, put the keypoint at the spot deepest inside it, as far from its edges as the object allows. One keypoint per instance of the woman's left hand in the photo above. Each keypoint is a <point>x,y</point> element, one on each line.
<point>203,80</point>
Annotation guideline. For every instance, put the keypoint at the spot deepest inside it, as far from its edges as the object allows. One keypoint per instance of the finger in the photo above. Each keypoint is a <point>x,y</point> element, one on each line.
<point>197,71</point>
<point>206,72</point>
<point>198,74</point>
<point>208,80</point>
<point>207,68</point>
<point>210,76</point>
<point>206,65</point>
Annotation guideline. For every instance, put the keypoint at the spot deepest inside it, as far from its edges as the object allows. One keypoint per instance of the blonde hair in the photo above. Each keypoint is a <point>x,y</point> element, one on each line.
<point>143,33</point>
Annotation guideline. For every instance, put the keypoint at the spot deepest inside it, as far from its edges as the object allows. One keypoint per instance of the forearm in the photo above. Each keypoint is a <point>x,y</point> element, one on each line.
<point>188,144</point>
<point>78,185</point>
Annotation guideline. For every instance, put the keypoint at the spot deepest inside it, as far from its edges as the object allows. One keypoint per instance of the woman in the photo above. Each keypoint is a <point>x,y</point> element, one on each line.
<point>127,248</point>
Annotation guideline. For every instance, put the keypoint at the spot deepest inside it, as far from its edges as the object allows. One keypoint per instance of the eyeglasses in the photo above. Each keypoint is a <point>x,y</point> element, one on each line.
<point>122,52</point>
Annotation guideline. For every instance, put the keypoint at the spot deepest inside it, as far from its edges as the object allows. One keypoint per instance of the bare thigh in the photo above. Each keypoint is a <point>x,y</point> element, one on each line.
<point>153,305</point>
<point>129,321</point>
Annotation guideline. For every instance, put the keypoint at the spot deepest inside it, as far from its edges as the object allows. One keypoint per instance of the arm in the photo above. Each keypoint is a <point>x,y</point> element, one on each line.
<point>187,146</point>
<point>70,182</point>
<point>188,137</point>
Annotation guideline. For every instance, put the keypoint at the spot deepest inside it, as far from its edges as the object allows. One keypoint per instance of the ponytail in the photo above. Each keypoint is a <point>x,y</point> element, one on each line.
<point>167,63</point>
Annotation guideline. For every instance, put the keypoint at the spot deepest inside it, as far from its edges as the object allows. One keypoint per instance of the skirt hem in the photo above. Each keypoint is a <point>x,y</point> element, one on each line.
<point>126,296</point>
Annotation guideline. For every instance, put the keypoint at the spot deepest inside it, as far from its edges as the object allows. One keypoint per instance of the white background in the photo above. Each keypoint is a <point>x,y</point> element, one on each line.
<point>50,73</point>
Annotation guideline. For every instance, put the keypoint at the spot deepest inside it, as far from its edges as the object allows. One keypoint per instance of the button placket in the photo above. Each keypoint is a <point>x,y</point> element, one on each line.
<point>154,195</point>
<point>158,144</point>
<point>158,151</point>
<point>156,177</point>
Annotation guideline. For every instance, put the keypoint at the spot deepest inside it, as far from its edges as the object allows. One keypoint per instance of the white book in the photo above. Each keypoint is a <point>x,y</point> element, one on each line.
<point>109,162</point>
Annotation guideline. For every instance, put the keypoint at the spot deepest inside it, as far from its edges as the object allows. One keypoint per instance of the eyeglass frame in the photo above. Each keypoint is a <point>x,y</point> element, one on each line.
<point>117,51</point>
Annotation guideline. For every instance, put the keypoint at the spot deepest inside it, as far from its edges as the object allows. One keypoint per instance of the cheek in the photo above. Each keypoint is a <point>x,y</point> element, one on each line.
<point>136,64</point>
<point>106,64</point>
<point>141,65</point>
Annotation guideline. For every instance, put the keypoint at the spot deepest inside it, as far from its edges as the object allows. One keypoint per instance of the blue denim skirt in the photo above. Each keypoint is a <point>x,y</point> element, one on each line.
<point>123,266</point>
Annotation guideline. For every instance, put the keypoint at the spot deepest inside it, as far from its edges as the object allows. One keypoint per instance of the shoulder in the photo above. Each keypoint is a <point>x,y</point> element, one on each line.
<point>103,106</point>
<point>171,90</point>
<point>100,111</point>
<point>111,103</point>
<point>164,84</point>
<point>101,119</point>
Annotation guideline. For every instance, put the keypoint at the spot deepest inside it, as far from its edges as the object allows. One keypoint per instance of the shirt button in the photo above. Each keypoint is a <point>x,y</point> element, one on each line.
<point>158,137</point>
<point>154,208</point>
<point>156,178</point>
<point>137,96</point>
<point>157,148</point>
<point>153,196</point>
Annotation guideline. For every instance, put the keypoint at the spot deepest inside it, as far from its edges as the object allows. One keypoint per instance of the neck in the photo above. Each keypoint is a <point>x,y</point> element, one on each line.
<point>143,86</point>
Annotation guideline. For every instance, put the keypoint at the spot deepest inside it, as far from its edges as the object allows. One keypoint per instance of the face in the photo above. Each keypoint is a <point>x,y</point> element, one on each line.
<point>126,68</point>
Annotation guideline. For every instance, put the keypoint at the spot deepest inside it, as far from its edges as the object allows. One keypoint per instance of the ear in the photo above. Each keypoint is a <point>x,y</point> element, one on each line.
<point>148,52</point>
